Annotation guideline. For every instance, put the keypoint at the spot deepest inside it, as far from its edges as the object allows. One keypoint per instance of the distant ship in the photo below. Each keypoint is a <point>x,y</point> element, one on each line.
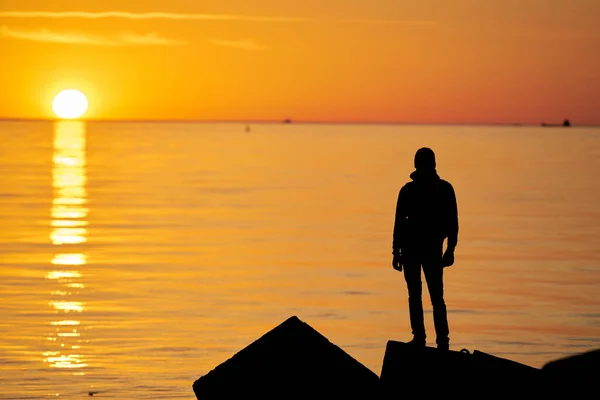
<point>287,121</point>
<point>566,123</point>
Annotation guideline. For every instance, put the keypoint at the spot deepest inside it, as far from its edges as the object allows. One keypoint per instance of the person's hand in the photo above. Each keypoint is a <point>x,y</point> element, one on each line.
<point>448,258</point>
<point>397,262</point>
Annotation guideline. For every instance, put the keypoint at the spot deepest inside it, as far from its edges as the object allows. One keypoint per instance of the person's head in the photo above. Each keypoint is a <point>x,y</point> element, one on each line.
<point>425,159</point>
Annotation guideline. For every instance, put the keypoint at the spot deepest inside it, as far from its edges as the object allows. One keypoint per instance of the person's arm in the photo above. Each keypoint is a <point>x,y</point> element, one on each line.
<point>452,219</point>
<point>399,224</point>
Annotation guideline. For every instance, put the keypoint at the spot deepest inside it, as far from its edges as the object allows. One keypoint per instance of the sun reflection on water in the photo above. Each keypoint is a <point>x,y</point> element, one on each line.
<point>69,232</point>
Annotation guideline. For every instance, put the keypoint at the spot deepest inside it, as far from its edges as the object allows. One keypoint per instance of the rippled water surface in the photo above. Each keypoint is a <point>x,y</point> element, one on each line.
<point>134,258</point>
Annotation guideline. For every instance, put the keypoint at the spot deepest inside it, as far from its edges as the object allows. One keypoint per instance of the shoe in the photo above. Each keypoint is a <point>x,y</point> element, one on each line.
<point>443,346</point>
<point>417,342</point>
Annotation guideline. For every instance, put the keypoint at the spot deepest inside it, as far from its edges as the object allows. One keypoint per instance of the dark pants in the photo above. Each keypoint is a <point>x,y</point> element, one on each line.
<point>434,273</point>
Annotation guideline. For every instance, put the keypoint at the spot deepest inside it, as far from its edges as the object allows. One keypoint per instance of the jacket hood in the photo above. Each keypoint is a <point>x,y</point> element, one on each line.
<point>421,175</point>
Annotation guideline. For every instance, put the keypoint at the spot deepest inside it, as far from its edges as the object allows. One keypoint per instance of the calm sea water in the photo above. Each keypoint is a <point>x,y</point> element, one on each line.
<point>134,258</point>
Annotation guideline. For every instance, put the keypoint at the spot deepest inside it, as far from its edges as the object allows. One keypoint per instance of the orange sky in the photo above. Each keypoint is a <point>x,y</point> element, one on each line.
<point>430,61</point>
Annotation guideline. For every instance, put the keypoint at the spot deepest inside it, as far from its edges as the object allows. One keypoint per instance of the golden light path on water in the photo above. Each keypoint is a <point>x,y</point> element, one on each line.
<point>68,232</point>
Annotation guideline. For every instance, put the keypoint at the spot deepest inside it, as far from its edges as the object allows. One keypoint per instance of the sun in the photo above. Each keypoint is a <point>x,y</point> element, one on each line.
<point>69,104</point>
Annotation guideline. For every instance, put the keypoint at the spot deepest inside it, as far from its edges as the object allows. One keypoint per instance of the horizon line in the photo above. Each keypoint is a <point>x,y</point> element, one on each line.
<point>292,122</point>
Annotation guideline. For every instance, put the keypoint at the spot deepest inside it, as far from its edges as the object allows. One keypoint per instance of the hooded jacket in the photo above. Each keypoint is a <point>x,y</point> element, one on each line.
<point>426,214</point>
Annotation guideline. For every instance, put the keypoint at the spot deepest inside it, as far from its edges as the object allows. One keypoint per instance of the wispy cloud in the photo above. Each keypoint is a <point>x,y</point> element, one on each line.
<point>149,15</point>
<point>245,44</point>
<point>197,17</point>
<point>388,22</point>
<point>123,39</point>
<point>44,35</point>
<point>148,39</point>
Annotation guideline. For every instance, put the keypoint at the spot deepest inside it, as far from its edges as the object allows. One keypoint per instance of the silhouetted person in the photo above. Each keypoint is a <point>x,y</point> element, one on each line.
<point>426,214</point>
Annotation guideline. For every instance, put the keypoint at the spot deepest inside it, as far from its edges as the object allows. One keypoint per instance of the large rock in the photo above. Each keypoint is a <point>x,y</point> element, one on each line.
<point>575,375</point>
<point>428,372</point>
<point>291,361</point>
